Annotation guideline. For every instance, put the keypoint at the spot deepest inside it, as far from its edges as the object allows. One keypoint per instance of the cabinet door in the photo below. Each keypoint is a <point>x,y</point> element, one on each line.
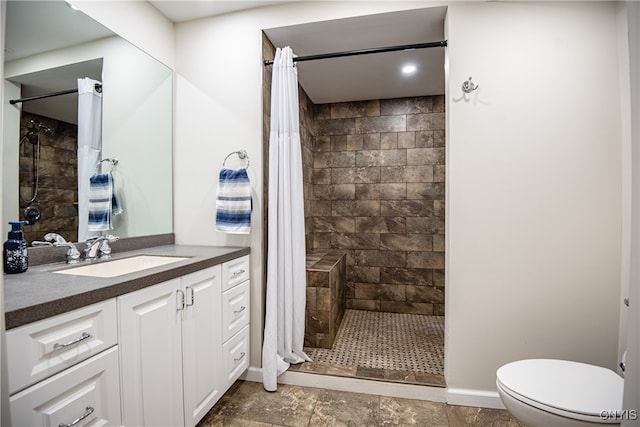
<point>87,393</point>
<point>151,355</point>
<point>201,337</point>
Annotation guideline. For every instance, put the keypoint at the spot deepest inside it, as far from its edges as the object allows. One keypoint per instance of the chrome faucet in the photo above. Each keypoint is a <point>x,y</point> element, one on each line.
<point>73,255</point>
<point>53,239</point>
<point>98,247</point>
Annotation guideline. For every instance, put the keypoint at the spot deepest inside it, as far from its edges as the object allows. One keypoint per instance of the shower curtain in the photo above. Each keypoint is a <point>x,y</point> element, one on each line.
<point>286,256</point>
<point>89,147</point>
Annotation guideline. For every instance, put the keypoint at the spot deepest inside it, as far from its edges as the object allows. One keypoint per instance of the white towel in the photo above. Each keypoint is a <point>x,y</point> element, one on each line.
<point>103,202</point>
<point>234,203</point>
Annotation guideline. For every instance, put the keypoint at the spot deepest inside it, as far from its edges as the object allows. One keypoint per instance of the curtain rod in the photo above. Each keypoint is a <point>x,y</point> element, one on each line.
<point>442,43</point>
<point>97,86</point>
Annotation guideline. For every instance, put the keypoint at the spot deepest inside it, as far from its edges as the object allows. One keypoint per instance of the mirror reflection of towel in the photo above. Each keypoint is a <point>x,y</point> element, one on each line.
<point>103,202</point>
<point>234,203</point>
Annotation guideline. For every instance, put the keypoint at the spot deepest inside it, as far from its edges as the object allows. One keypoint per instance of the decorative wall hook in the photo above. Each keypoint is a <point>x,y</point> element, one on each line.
<point>469,86</point>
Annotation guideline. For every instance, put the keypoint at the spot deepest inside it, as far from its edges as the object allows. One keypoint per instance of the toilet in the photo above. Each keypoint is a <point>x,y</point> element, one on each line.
<point>550,392</point>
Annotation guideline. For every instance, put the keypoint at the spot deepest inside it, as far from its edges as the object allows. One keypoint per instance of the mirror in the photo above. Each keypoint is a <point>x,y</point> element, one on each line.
<point>48,46</point>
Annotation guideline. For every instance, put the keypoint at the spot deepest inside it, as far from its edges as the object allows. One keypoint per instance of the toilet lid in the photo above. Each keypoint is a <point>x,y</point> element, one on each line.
<point>567,386</point>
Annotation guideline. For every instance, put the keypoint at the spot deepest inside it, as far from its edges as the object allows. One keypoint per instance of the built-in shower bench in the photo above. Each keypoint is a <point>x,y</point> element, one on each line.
<point>326,283</point>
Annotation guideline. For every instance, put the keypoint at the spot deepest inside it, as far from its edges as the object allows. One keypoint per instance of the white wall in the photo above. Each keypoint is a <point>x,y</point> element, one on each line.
<point>626,170</point>
<point>632,375</point>
<point>10,178</point>
<point>534,187</point>
<point>136,21</point>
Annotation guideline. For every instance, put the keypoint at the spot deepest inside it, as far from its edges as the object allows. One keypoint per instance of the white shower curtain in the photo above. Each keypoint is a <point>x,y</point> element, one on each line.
<point>89,146</point>
<point>286,256</point>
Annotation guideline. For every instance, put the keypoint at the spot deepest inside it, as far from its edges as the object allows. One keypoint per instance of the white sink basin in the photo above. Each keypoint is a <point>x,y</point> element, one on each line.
<point>122,266</point>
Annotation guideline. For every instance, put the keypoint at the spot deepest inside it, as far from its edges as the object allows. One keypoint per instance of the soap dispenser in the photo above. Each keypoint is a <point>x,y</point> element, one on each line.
<point>15,250</point>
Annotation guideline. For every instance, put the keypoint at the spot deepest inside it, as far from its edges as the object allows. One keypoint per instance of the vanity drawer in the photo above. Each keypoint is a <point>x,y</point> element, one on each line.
<point>234,272</point>
<point>235,310</point>
<point>235,354</point>
<point>40,349</point>
<point>89,389</point>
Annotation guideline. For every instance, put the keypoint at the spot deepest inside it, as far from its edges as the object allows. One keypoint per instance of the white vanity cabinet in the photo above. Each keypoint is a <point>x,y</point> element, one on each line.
<point>170,340</point>
<point>64,369</point>
<point>162,355</point>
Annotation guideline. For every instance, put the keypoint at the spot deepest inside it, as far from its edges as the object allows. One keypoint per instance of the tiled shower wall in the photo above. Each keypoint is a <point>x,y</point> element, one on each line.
<point>379,194</point>
<point>57,180</point>
<point>307,142</point>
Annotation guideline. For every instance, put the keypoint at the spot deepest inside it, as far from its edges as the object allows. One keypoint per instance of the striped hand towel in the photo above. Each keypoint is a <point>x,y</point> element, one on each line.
<point>103,202</point>
<point>234,203</point>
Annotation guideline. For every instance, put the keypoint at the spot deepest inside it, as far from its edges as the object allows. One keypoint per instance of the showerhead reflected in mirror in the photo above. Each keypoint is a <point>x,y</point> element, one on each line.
<point>48,47</point>
<point>30,169</point>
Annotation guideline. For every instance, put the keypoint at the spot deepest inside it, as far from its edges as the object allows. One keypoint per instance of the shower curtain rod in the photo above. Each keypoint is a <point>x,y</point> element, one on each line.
<point>442,43</point>
<point>97,86</point>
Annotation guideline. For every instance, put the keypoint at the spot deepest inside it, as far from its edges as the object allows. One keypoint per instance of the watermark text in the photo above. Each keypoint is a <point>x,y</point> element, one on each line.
<point>619,414</point>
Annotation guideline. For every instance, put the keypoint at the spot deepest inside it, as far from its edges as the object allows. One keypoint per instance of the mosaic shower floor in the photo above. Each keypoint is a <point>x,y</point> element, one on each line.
<point>407,348</point>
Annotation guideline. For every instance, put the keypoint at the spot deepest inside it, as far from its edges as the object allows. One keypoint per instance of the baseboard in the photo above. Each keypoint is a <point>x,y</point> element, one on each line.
<point>354,385</point>
<point>453,396</point>
<point>252,374</point>
<point>477,398</point>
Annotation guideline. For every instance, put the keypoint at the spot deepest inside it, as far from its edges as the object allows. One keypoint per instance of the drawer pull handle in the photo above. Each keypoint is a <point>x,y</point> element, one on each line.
<point>84,336</point>
<point>89,411</point>
<point>243,308</point>
<point>238,272</point>
<point>242,355</point>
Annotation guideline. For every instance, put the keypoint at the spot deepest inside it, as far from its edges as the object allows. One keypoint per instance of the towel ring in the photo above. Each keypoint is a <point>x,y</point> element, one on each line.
<point>242,155</point>
<point>113,160</point>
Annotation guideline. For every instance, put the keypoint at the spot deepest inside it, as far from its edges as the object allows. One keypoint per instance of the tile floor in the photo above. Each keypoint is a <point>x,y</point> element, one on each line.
<point>406,348</point>
<point>248,404</point>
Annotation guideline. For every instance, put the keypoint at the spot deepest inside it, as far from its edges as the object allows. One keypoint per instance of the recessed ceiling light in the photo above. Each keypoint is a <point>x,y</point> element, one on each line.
<point>409,69</point>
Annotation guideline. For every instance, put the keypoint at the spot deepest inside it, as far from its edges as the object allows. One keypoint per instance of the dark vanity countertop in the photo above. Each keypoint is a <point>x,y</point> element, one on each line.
<point>37,293</point>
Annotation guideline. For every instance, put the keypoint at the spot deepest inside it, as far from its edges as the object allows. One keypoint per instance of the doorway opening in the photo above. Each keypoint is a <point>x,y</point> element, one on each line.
<point>374,181</point>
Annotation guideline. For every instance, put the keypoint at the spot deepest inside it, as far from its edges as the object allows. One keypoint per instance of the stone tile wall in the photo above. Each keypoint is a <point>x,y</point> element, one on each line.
<point>57,180</point>
<point>379,194</point>
<point>307,142</point>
